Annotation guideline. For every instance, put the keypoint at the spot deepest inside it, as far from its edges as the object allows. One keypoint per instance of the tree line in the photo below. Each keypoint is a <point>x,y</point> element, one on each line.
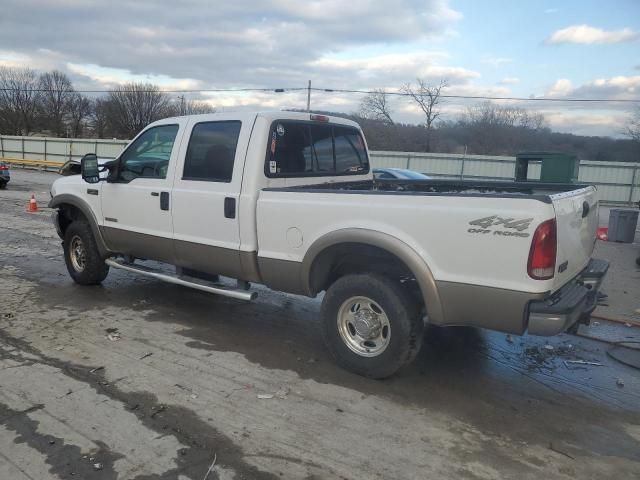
<point>486,128</point>
<point>47,103</point>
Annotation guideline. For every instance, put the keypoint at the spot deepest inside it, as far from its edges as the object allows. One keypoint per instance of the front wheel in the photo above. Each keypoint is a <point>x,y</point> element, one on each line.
<point>84,263</point>
<point>371,325</point>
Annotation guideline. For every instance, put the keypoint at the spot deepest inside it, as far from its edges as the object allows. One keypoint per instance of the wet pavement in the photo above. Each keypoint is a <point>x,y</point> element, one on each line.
<point>137,379</point>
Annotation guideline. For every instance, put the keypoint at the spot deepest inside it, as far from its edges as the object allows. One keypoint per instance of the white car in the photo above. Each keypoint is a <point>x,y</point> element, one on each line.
<point>288,200</point>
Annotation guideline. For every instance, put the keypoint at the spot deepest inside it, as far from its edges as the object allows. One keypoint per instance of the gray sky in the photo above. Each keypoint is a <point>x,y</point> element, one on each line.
<point>524,48</point>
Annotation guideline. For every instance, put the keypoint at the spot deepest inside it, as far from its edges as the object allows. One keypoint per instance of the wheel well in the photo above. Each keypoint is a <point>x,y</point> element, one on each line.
<point>68,213</point>
<point>347,258</point>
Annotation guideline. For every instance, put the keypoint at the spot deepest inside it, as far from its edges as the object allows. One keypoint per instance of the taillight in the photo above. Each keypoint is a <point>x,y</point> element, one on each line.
<point>4,167</point>
<point>542,256</point>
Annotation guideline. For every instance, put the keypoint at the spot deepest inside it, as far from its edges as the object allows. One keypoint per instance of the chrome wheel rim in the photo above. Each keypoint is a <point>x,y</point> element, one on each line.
<point>364,326</point>
<point>78,254</point>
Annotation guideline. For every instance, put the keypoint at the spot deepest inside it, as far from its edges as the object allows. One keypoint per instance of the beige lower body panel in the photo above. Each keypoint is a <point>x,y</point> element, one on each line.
<point>282,275</point>
<point>485,307</point>
<point>139,245</point>
<point>209,259</point>
<point>204,258</point>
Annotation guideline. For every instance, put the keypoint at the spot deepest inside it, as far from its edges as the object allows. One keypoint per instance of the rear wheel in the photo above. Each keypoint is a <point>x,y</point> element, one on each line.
<point>371,325</point>
<point>84,263</point>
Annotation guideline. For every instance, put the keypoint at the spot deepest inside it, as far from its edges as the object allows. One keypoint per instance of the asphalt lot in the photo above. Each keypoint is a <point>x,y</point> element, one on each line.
<point>181,385</point>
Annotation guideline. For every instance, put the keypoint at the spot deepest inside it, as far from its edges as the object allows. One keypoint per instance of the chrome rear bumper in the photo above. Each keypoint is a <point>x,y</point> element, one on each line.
<point>564,308</point>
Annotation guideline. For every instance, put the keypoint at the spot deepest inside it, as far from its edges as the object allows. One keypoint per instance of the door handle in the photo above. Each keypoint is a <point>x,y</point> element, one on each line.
<point>229,207</point>
<point>155,194</point>
<point>164,200</point>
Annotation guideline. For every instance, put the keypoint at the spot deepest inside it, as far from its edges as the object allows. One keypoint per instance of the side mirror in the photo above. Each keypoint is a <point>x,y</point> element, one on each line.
<point>89,168</point>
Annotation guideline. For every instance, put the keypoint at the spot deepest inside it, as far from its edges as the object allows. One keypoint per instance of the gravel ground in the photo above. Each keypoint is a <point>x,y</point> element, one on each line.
<point>181,384</point>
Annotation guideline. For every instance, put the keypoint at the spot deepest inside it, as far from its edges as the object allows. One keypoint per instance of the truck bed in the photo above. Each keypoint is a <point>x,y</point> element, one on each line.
<point>464,188</point>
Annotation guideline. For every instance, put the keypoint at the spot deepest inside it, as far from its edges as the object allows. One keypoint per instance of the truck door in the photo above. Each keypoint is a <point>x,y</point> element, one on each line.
<point>137,204</point>
<point>206,193</point>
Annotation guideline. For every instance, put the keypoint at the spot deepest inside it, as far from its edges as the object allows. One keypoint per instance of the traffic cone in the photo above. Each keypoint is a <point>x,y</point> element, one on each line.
<point>33,205</point>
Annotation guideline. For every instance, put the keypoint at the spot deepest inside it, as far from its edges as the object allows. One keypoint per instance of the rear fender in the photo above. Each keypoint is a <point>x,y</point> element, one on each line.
<point>394,246</point>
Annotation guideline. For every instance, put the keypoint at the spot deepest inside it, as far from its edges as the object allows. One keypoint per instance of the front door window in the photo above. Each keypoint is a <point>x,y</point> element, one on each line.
<point>148,156</point>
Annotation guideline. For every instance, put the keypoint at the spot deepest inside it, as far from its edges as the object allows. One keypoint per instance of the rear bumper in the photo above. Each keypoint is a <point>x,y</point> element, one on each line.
<point>561,310</point>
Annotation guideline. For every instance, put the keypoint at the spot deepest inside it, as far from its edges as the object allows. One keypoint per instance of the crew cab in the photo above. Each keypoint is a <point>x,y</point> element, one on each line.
<point>288,200</point>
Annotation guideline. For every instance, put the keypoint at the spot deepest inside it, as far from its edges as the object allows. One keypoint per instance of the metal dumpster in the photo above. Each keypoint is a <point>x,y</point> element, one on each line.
<point>555,167</point>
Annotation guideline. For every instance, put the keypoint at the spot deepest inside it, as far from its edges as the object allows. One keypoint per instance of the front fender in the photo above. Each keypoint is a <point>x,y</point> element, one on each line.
<point>59,201</point>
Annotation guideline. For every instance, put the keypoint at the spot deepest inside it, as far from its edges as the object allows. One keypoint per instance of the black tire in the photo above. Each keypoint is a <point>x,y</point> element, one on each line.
<point>405,324</point>
<point>94,269</point>
<point>3,185</point>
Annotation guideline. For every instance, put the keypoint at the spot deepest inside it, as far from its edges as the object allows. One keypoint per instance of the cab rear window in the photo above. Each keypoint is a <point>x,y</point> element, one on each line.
<point>304,149</point>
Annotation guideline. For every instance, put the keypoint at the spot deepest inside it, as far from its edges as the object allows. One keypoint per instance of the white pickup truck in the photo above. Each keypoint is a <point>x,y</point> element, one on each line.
<point>288,200</point>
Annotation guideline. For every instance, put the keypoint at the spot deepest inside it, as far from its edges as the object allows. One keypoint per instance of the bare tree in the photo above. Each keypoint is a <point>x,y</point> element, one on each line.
<point>197,107</point>
<point>493,128</point>
<point>19,98</point>
<point>80,108</point>
<point>132,106</point>
<point>491,114</point>
<point>55,100</point>
<point>191,107</point>
<point>632,130</point>
<point>99,118</point>
<point>427,97</point>
<point>375,106</point>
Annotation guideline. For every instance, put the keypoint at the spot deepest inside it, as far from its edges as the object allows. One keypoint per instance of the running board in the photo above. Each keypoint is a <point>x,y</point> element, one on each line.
<point>202,285</point>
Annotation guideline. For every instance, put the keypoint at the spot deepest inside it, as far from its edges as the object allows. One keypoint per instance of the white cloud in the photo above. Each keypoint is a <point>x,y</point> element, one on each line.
<point>618,84</point>
<point>551,10</point>
<point>13,59</point>
<point>560,88</point>
<point>389,71</point>
<point>612,88</point>
<point>586,34</point>
<point>587,122</point>
<point>107,77</point>
<point>40,58</point>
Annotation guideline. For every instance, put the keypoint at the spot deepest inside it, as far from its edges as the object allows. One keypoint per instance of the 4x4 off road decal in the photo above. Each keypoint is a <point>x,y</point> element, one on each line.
<point>486,226</point>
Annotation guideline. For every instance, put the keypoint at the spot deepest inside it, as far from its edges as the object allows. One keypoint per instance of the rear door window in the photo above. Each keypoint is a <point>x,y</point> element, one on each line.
<point>212,151</point>
<point>301,149</point>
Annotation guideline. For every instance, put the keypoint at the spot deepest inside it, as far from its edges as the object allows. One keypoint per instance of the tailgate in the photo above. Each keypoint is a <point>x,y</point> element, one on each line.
<point>577,221</point>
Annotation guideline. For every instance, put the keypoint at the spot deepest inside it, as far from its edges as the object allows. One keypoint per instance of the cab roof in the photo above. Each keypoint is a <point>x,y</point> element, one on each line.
<point>269,115</point>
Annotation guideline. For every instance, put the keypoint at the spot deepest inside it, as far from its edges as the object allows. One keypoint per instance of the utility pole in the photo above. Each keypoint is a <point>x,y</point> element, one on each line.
<point>181,97</point>
<point>309,97</point>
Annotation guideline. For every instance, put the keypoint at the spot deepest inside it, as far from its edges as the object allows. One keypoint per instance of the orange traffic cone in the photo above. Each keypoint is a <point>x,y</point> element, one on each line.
<point>33,205</point>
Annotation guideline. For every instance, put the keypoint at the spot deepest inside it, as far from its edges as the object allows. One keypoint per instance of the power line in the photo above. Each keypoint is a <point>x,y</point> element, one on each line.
<point>340,90</point>
<point>486,97</point>
<point>202,90</point>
